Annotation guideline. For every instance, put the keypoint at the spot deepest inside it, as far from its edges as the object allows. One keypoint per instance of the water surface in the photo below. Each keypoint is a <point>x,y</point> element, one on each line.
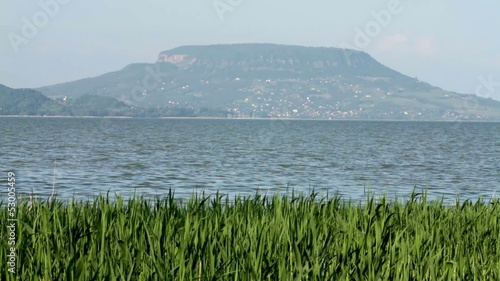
<point>240,157</point>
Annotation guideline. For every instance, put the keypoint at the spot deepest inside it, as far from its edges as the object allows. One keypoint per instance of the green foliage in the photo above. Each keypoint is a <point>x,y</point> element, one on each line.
<point>33,103</point>
<point>259,238</point>
<point>27,102</point>
<point>91,105</point>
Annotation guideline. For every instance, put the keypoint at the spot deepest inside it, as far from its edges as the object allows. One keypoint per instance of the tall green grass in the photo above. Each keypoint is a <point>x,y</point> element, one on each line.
<point>259,238</point>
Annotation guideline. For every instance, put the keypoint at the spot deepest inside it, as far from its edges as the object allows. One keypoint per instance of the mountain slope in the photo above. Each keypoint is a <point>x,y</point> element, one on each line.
<point>27,102</point>
<point>266,80</point>
<point>34,103</point>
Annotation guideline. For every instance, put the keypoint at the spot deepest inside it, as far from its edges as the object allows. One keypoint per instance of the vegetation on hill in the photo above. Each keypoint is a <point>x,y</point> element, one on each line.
<point>90,105</point>
<point>26,102</point>
<point>279,81</point>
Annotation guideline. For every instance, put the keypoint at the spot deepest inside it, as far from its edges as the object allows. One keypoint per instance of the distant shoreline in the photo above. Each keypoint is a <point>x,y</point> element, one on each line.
<point>63,116</point>
<point>247,118</point>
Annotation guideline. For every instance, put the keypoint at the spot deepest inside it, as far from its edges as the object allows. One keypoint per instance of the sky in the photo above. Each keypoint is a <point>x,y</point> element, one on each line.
<point>450,44</point>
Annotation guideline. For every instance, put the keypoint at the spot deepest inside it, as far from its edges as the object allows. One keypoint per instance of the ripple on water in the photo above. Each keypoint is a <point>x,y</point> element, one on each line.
<point>239,157</point>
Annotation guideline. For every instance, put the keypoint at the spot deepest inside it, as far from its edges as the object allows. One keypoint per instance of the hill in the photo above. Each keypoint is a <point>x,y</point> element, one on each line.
<point>266,80</point>
<point>33,103</point>
<point>27,102</point>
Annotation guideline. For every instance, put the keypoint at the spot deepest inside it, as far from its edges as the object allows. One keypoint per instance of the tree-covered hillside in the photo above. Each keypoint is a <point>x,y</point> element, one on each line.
<point>28,102</point>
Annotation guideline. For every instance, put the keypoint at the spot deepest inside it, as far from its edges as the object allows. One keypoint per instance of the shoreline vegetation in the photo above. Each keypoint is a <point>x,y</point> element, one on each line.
<point>302,237</point>
<point>248,118</point>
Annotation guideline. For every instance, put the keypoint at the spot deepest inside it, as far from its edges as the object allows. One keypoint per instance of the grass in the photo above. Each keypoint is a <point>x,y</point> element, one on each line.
<point>259,238</point>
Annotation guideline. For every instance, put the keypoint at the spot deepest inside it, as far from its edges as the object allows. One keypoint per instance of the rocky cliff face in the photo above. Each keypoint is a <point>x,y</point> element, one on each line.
<point>179,59</point>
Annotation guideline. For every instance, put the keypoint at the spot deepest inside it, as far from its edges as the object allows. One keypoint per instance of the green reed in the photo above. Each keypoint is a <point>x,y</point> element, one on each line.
<point>258,238</point>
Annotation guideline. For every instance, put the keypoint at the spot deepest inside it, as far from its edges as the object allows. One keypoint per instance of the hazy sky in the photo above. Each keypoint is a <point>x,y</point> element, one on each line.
<point>450,44</point>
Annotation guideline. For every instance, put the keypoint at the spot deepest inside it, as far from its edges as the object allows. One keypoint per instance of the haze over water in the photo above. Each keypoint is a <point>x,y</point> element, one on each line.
<point>241,157</point>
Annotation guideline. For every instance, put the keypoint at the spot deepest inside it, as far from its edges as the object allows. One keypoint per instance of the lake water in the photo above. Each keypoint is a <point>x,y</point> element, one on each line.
<point>149,156</point>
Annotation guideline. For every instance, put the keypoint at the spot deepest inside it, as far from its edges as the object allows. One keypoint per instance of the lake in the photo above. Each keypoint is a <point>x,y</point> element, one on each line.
<point>88,156</point>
